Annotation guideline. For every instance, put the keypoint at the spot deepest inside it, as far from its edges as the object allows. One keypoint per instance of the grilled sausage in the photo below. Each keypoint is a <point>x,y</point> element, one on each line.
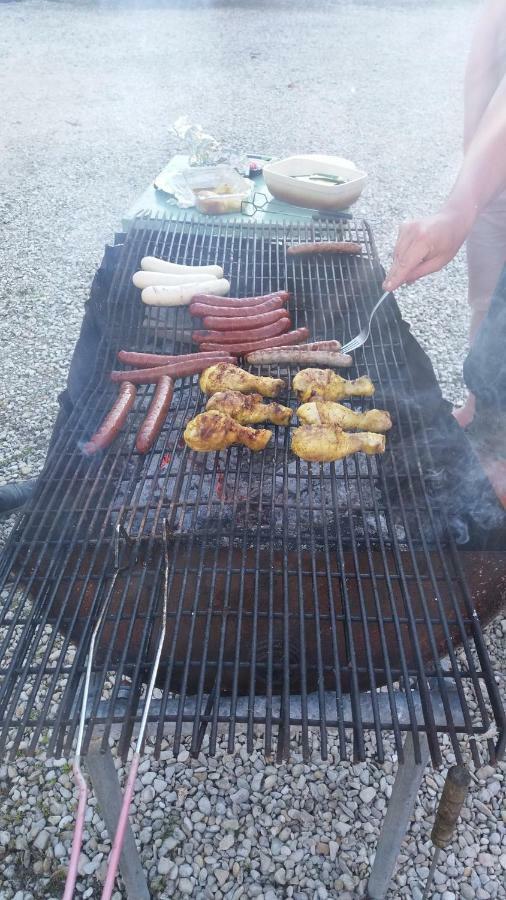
<point>240,349</point>
<point>174,370</point>
<point>299,356</point>
<point>148,360</point>
<point>181,294</point>
<point>324,247</point>
<point>222,338</point>
<point>241,323</point>
<point>213,300</point>
<point>156,415</point>
<point>199,310</point>
<point>152,264</point>
<point>315,345</point>
<point>114,420</point>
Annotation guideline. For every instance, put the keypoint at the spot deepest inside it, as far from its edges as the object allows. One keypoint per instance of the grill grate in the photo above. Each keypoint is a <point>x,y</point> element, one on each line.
<point>287,578</point>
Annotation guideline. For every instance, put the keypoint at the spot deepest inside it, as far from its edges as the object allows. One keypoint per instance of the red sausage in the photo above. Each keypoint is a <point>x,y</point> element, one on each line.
<point>114,420</point>
<point>174,370</point>
<point>212,300</point>
<point>285,340</point>
<point>222,338</point>
<point>148,360</point>
<point>241,323</point>
<point>199,310</point>
<point>156,414</point>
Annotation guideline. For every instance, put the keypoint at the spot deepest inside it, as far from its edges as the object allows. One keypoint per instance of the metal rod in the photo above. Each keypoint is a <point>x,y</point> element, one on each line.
<point>448,811</point>
<point>430,876</point>
<point>80,781</point>
<point>104,779</point>
<point>398,816</point>
<point>125,807</point>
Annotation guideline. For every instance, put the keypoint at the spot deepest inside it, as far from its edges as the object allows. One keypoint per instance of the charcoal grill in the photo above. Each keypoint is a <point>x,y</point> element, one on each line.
<point>294,587</point>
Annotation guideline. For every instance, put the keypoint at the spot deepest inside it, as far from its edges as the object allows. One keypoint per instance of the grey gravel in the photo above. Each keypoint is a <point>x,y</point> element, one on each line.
<point>85,128</point>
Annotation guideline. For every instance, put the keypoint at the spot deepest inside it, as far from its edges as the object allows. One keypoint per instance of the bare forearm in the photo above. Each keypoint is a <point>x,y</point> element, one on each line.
<point>481,69</point>
<point>483,173</point>
<point>427,245</point>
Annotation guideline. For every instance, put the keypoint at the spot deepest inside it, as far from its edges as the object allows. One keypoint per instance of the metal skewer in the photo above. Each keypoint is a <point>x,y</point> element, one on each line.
<point>451,802</point>
<point>79,778</point>
<point>132,775</point>
<point>259,202</point>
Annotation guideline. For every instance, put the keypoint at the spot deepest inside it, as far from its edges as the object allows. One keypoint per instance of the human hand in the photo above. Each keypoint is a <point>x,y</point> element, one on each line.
<point>425,246</point>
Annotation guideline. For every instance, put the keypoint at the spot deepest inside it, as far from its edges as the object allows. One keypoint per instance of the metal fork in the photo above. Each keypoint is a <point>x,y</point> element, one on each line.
<point>364,332</point>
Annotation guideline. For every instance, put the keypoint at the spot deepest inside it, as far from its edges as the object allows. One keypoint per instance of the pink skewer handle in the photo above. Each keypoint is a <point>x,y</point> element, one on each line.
<point>78,833</point>
<point>119,837</point>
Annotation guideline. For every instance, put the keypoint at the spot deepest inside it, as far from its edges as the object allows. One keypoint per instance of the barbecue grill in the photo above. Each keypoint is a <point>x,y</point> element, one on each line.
<point>301,596</point>
<point>286,578</point>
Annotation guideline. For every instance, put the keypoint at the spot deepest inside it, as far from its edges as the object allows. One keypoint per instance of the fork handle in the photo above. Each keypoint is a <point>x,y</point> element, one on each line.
<point>378,303</point>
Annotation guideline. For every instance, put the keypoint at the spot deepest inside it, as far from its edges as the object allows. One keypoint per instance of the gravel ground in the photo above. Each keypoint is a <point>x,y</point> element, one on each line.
<point>88,92</point>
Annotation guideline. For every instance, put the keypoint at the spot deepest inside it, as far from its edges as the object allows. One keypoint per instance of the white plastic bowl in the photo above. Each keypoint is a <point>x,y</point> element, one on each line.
<point>283,186</point>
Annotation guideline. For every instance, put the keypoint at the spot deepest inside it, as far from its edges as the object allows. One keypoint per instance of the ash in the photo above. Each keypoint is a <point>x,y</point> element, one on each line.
<point>271,500</point>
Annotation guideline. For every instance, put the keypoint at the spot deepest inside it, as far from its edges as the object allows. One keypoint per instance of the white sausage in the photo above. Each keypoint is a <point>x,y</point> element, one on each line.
<point>146,279</point>
<point>182,294</point>
<point>151,264</point>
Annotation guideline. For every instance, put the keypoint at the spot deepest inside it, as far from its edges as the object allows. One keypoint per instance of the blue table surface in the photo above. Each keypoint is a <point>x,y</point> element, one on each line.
<point>154,203</point>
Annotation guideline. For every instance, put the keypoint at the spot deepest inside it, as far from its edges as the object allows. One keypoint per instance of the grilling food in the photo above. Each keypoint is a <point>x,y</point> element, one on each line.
<point>327,443</point>
<point>182,294</point>
<point>200,310</point>
<point>156,415</point>
<point>298,356</point>
<point>324,412</point>
<point>114,420</point>
<point>226,377</point>
<point>152,264</point>
<point>314,345</point>
<point>326,385</point>
<point>213,430</point>
<point>248,334</point>
<point>243,302</point>
<point>248,346</point>
<point>148,360</point>
<point>147,279</point>
<point>242,322</point>
<point>324,247</point>
<point>249,409</point>
<point>179,369</point>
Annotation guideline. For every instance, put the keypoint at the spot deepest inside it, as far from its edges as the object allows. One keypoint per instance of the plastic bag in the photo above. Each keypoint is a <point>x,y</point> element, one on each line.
<point>203,149</point>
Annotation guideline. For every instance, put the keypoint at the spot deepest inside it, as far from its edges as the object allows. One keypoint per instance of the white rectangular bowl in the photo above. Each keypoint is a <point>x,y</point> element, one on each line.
<point>283,186</point>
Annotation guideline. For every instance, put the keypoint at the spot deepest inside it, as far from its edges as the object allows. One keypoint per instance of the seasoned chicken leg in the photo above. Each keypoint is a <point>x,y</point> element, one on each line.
<point>326,443</point>
<point>248,409</point>
<point>214,431</point>
<point>326,385</point>
<point>324,412</point>
<point>227,377</point>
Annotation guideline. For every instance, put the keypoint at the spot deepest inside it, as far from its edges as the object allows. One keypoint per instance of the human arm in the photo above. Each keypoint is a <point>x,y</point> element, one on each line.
<point>426,245</point>
<point>481,76</point>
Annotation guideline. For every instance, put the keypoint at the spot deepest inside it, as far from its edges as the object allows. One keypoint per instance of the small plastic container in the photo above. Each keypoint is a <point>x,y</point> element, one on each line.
<point>217,189</point>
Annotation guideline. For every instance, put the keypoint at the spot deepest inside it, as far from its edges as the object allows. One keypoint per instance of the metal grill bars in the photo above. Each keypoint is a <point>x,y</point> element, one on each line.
<point>284,577</point>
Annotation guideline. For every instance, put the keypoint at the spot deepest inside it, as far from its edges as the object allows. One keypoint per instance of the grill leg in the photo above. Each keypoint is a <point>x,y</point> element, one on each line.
<point>398,816</point>
<point>105,783</point>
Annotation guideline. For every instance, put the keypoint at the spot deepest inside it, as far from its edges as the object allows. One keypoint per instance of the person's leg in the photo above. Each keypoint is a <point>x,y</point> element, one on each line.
<point>486,255</point>
<point>485,375</point>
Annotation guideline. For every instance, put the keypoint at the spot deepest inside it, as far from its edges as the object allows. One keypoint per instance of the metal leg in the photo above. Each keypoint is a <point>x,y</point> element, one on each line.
<point>397,818</point>
<point>105,783</point>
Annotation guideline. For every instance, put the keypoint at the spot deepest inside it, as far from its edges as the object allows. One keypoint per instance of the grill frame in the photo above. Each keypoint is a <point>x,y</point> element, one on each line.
<point>250,243</point>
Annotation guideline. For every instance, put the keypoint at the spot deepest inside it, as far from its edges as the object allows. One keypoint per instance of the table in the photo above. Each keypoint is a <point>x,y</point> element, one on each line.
<point>155,204</point>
